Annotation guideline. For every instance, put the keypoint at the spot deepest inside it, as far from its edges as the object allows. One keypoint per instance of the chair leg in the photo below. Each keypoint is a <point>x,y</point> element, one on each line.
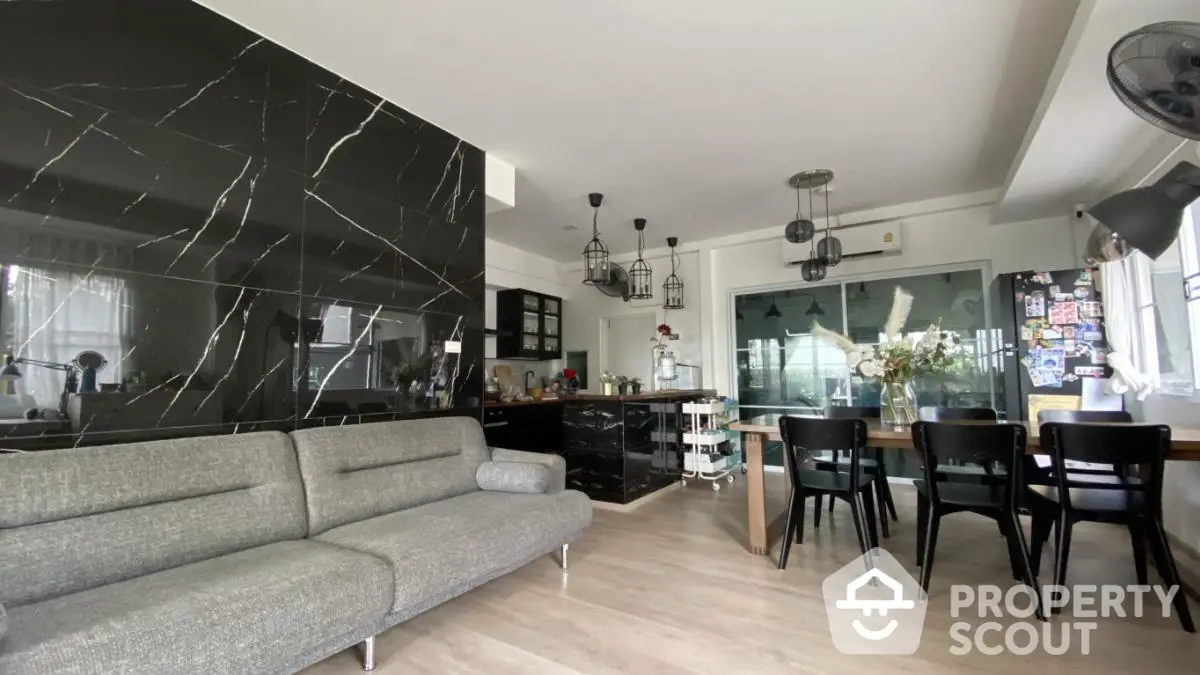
<point>922,520</point>
<point>860,527</point>
<point>1014,549</point>
<point>867,499</point>
<point>1063,553</point>
<point>880,499</point>
<point>1029,576</point>
<point>368,653</point>
<point>789,527</point>
<point>1170,573</point>
<point>1038,535</point>
<point>817,511</point>
<point>886,488</point>
<point>831,503</point>
<point>799,521</point>
<point>1137,536</point>
<point>931,534</point>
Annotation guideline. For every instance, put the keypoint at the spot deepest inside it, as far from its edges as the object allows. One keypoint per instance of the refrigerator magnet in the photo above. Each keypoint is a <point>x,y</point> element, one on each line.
<point>1035,304</point>
<point>1089,371</point>
<point>1070,377</point>
<point>1027,332</point>
<point>1042,278</point>
<point>1083,292</point>
<point>1099,356</point>
<point>1055,291</point>
<point>1085,278</point>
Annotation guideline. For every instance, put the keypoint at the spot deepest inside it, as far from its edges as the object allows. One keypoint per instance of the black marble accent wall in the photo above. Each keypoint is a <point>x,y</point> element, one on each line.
<point>244,238</point>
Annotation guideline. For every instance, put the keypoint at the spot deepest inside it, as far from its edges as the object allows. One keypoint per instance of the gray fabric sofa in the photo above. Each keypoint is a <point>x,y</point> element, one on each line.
<point>260,553</point>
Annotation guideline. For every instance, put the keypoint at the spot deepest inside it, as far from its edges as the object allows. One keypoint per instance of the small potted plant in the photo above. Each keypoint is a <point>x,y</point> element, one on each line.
<point>622,385</point>
<point>635,385</point>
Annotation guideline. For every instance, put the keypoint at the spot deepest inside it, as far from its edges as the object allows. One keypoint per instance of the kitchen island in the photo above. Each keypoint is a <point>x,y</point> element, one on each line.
<point>618,448</point>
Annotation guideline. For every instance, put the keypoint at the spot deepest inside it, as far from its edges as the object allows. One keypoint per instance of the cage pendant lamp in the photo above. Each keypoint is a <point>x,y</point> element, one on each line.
<point>595,254</point>
<point>673,286</point>
<point>641,284</point>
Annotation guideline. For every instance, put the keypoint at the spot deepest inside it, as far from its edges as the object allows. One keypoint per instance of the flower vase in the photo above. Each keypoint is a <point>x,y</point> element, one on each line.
<point>897,405</point>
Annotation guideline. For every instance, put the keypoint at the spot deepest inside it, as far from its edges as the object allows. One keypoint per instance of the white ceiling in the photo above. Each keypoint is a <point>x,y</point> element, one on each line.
<point>693,114</point>
<point>1083,144</point>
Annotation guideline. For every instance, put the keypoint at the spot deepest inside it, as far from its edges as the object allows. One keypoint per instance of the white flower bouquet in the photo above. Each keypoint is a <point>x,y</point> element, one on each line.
<point>898,358</point>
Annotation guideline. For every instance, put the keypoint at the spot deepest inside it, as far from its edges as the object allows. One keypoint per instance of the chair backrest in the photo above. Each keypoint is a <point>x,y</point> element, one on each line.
<point>360,471</point>
<point>805,435</point>
<point>852,412</point>
<point>1047,416</point>
<point>76,519</point>
<point>934,414</point>
<point>984,444</point>
<point>1125,446</point>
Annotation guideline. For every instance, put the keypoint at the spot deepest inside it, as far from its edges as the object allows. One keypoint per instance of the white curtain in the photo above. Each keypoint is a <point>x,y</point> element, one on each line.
<point>53,315</point>
<point>1120,321</point>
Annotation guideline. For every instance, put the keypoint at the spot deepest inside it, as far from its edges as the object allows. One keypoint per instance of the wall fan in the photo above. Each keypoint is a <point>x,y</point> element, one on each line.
<point>1155,71</point>
<point>618,283</point>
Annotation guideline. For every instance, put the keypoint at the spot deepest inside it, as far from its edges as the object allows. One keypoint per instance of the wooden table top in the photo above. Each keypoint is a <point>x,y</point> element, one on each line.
<point>1185,441</point>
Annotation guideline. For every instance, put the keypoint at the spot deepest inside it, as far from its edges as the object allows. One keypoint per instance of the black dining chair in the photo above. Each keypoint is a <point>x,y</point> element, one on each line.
<point>936,414</point>
<point>986,446</point>
<point>801,437</point>
<point>873,464</point>
<point>1137,505</point>
<point>1080,474</point>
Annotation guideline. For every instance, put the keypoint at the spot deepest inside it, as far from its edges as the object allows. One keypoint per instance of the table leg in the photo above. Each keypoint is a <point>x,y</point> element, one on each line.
<point>755,494</point>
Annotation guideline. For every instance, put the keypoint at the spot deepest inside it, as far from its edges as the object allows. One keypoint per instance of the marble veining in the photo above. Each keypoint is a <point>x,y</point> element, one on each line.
<point>248,240</point>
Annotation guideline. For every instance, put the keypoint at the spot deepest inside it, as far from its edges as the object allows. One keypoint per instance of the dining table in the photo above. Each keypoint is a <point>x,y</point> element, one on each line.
<point>1185,446</point>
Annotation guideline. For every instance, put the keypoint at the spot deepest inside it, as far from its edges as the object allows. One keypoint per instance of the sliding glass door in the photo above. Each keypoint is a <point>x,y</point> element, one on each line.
<point>781,367</point>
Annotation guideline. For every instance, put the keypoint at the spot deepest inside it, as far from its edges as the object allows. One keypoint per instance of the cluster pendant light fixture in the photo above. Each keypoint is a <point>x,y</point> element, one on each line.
<point>825,252</point>
<point>673,286</point>
<point>641,285</point>
<point>595,254</point>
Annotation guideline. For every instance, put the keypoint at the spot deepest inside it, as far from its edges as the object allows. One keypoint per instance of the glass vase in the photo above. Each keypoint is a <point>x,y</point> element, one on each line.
<point>898,405</point>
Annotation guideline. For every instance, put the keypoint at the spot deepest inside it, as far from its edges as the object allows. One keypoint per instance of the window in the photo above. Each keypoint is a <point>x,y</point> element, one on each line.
<point>51,315</point>
<point>1167,295</point>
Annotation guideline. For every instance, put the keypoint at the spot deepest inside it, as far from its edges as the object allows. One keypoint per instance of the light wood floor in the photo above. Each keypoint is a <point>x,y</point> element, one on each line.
<point>670,588</point>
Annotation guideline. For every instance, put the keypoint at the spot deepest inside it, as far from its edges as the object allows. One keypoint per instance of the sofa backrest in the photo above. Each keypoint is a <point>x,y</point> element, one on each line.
<point>358,471</point>
<point>80,518</point>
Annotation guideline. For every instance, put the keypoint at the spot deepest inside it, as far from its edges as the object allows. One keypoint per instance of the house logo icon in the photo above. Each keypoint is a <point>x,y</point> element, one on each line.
<point>874,606</point>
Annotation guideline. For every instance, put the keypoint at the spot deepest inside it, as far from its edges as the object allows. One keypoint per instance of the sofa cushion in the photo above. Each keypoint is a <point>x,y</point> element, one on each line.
<point>456,543</point>
<point>80,518</point>
<point>520,477</point>
<point>355,472</point>
<point>555,463</point>
<point>240,613</point>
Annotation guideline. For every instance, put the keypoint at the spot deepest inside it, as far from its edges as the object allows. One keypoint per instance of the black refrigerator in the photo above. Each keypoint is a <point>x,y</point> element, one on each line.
<point>1052,346</point>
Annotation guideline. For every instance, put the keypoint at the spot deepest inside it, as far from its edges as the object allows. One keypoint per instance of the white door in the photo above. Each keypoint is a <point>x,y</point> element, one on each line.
<point>627,347</point>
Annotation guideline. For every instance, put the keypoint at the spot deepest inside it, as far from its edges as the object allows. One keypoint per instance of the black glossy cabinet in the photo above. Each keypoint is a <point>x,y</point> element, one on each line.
<point>528,325</point>
<point>535,427</point>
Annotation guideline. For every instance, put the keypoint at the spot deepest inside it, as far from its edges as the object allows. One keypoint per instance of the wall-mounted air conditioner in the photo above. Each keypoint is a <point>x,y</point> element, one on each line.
<point>858,241</point>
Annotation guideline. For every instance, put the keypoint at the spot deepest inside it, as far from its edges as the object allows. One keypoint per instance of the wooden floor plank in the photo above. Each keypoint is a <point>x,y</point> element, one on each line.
<point>671,589</point>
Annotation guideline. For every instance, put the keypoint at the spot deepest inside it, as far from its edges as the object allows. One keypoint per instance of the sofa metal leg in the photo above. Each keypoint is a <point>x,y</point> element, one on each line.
<point>368,653</point>
<point>562,556</point>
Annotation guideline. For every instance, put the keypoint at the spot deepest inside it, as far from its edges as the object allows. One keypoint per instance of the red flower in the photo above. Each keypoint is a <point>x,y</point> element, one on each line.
<point>568,373</point>
<point>664,329</point>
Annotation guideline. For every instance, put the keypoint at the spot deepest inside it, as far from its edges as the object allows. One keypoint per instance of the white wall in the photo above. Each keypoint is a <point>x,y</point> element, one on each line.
<point>958,236</point>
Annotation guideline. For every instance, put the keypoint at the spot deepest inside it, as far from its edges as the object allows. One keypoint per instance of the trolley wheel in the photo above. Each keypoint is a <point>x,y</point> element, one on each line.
<point>729,478</point>
<point>683,481</point>
<point>716,486</point>
<point>744,469</point>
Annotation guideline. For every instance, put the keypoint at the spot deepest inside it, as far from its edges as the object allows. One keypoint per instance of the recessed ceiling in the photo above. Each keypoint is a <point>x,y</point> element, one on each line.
<point>693,115</point>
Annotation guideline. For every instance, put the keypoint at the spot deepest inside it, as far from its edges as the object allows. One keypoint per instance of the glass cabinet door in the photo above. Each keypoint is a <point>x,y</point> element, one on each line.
<point>531,303</point>
<point>551,307</point>
<point>551,323</point>
<point>531,343</point>
<point>529,323</point>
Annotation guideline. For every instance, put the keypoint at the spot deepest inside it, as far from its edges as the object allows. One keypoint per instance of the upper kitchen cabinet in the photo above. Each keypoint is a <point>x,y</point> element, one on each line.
<point>528,325</point>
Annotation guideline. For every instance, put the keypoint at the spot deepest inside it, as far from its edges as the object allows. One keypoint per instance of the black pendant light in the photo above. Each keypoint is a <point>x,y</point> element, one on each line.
<point>595,254</point>
<point>673,287</point>
<point>772,311</point>
<point>1146,218</point>
<point>814,309</point>
<point>815,268</point>
<point>641,286</point>
<point>830,247</point>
